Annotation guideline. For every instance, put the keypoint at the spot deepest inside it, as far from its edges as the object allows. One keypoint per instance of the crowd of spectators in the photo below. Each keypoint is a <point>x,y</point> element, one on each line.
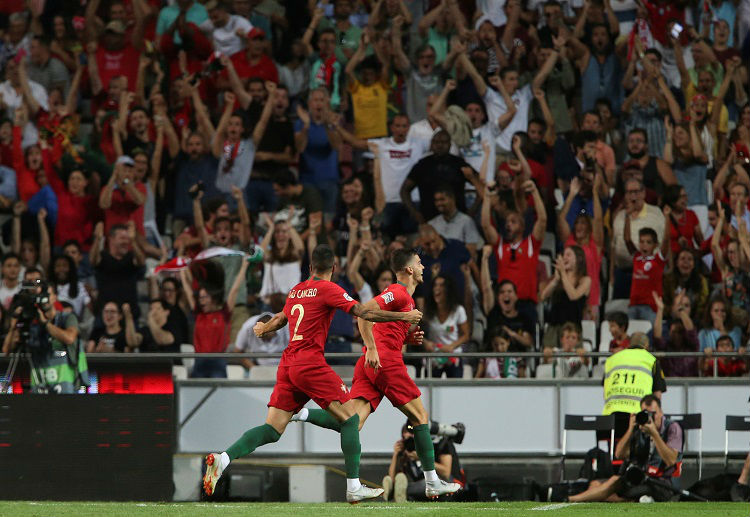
<point>551,160</point>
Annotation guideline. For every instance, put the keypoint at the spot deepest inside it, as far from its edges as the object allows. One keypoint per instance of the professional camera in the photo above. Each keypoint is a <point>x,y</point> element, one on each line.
<point>642,417</point>
<point>32,297</point>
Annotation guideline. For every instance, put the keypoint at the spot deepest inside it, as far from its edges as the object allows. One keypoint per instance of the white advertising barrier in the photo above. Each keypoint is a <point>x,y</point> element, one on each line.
<point>501,417</point>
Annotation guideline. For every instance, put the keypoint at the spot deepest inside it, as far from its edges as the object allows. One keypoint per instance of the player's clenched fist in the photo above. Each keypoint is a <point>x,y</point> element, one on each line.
<point>259,329</point>
<point>414,316</point>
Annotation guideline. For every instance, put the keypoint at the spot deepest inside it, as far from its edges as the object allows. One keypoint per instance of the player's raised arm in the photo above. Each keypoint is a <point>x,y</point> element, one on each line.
<point>275,323</point>
<point>371,312</point>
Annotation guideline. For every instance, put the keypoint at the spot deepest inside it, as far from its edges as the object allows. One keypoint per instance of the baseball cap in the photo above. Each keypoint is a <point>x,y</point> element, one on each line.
<point>115,26</point>
<point>256,32</point>
<point>126,160</point>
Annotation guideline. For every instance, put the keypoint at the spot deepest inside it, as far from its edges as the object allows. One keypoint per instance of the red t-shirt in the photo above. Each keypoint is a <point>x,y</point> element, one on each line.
<point>648,276</point>
<point>124,209</point>
<point>390,336</point>
<point>264,68</point>
<point>593,266</point>
<point>310,307</point>
<point>211,332</point>
<point>115,63</point>
<point>685,228</point>
<point>517,263</point>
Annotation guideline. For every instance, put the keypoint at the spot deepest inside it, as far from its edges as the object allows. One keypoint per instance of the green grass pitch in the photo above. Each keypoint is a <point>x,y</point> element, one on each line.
<point>524,509</point>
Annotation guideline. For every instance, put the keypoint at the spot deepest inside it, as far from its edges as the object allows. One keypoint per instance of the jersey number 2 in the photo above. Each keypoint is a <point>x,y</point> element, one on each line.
<point>301,309</point>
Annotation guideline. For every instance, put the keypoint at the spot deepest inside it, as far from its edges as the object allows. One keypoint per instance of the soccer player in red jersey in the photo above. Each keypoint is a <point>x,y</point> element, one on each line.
<point>303,373</point>
<point>382,372</point>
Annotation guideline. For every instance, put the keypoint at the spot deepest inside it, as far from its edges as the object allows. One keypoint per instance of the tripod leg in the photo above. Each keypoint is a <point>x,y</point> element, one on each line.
<point>10,372</point>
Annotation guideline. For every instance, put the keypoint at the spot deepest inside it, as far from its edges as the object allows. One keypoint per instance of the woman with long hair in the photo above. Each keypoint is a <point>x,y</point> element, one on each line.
<point>686,278</point>
<point>568,292</point>
<point>283,251</point>
<point>718,321</point>
<point>64,278</point>
<point>64,45</point>
<point>685,153</point>
<point>447,328</point>
<point>735,277</point>
<point>588,234</point>
<point>685,229</point>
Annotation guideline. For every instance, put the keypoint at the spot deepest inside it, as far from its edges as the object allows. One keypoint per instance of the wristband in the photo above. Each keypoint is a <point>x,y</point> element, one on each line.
<point>365,228</point>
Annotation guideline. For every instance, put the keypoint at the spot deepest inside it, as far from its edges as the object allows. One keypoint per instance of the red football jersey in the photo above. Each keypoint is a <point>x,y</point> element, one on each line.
<point>648,275</point>
<point>390,336</point>
<point>310,307</point>
<point>517,263</point>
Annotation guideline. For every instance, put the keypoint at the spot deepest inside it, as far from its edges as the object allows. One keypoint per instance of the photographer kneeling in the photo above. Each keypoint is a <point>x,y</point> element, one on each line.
<point>405,479</point>
<point>39,327</point>
<point>652,450</point>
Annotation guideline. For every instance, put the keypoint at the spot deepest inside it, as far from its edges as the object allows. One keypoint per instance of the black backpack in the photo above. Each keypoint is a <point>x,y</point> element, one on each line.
<point>596,465</point>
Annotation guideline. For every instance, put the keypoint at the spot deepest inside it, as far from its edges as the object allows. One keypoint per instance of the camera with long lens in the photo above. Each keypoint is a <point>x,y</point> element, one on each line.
<point>642,417</point>
<point>32,298</point>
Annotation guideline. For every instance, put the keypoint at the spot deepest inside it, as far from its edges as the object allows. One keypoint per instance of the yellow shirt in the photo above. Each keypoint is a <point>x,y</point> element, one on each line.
<point>370,105</point>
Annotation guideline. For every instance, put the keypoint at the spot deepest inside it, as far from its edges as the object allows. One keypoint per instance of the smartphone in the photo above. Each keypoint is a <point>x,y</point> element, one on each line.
<point>83,59</point>
<point>676,30</point>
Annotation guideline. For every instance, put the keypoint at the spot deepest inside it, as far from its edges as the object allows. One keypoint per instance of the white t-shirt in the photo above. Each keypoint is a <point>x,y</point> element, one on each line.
<point>13,101</point>
<point>445,332</point>
<point>496,108</point>
<point>424,131</point>
<point>79,302</point>
<point>365,293</point>
<point>225,38</point>
<point>494,10</point>
<point>247,341</point>
<point>396,161</point>
<point>280,277</point>
<point>7,294</point>
<point>473,153</point>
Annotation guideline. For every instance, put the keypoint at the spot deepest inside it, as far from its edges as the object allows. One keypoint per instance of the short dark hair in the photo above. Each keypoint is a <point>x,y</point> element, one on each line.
<point>583,137</point>
<point>725,337</point>
<point>650,399</point>
<point>593,113</point>
<point>370,63</point>
<point>222,220</point>
<point>212,205</point>
<point>506,70</point>
<point>537,121</point>
<point>641,131</point>
<point>654,52</point>
<point>116,228</point>
<point>72,242</point>
<point>33,270</point>
<point>643,232</point>
<point>507,282</point>
<point>285,178</point>
<point>620,318</point>
<point>322,258</point>
<point>446,190</point>
<point>400,258</point>
<point>8,256</point>
<point>326,31</point>
<point>42,39</point>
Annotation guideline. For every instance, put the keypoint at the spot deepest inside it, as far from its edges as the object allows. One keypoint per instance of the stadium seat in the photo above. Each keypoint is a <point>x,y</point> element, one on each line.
<point>597,372</point>
<point>549,244</point>
<point>701,212</point>
<point>692,421</point>
<point>586,423</point>
<point>344,371</point>
<point>617,304</point>
<point>179,372</point>
<point>235,372</point>
<point>262,373</point>
<point>547,261</point>
<point>588,332</point>
<point>188,363</point>
<point>733,423</point>
<point>545,371</point>
<point>468,372</point>
<point>639,326</point>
